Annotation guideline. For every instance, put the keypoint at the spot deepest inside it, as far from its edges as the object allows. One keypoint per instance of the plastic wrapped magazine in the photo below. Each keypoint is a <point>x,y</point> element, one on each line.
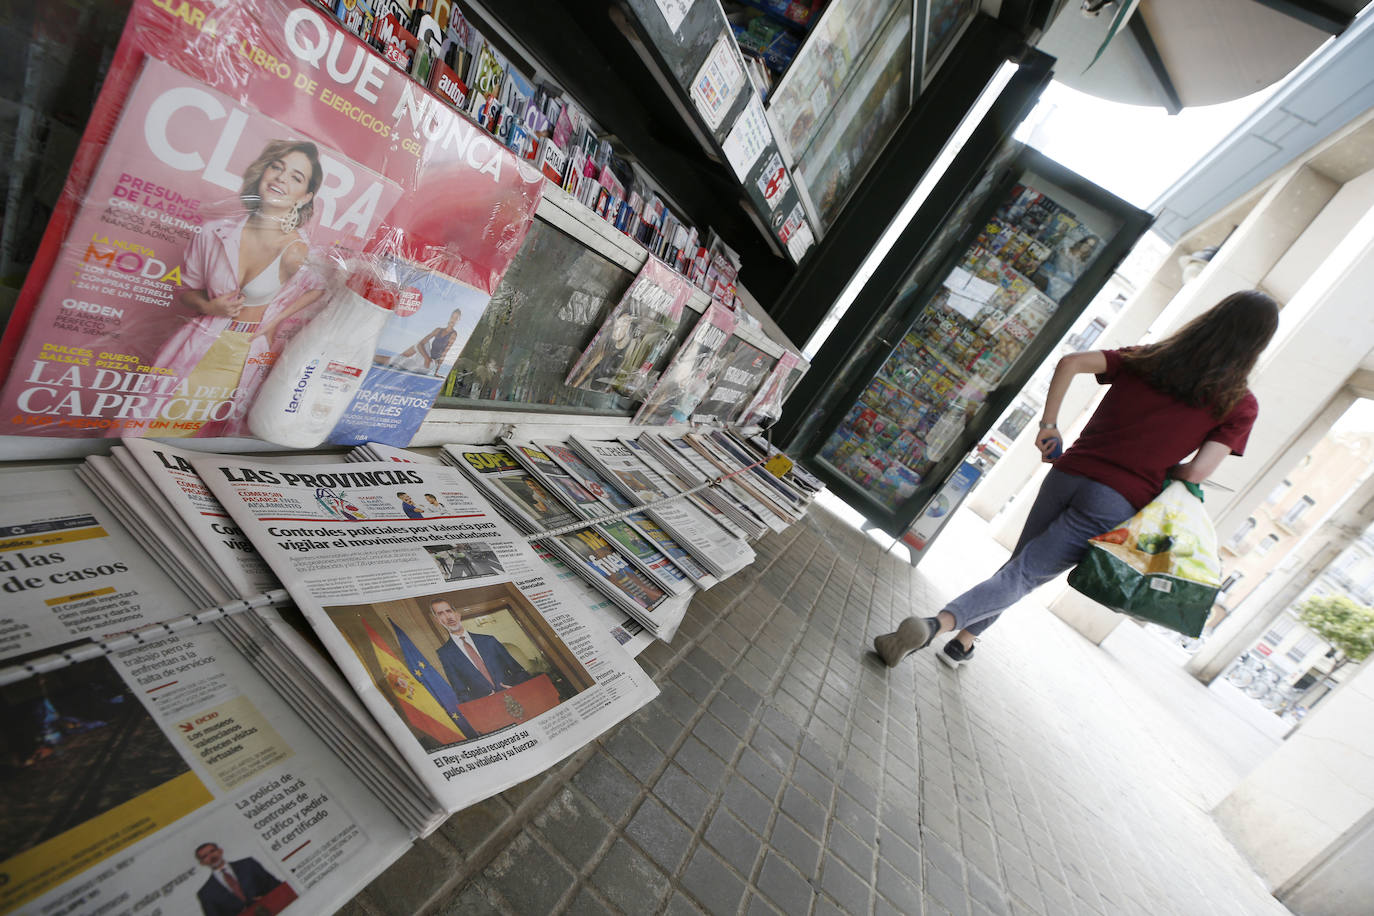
<point>739,371</point>
<point>233,254</point>
<point>688,376</point>
<point>636,335</point>
<point>765,407</point>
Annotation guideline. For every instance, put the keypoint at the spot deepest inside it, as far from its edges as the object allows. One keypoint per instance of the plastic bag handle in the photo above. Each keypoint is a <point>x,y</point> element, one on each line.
<point>1193,488</point>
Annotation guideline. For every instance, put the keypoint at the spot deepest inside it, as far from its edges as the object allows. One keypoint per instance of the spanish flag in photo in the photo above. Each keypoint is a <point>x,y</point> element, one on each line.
<point>433,681</point>
<point>420,707</point>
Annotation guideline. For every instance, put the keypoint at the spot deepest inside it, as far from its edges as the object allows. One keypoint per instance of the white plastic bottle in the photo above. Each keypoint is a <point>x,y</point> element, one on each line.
<point>316,376</point>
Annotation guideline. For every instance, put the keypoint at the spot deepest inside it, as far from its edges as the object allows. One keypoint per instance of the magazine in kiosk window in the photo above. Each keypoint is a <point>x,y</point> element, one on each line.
<point>199,234</point>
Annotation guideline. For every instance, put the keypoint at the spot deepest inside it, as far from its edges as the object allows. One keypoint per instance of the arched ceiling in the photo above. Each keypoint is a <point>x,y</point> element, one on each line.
<point>1187,53</point>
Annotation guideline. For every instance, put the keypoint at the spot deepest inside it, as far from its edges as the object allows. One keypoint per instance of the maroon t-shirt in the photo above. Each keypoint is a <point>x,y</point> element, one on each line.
<point>1138,432</point>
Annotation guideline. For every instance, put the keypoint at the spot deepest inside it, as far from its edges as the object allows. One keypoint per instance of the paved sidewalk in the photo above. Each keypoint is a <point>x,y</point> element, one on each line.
<point>784,769</point>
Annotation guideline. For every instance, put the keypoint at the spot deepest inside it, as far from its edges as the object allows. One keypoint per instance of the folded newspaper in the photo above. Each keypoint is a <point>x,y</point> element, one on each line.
<point>728,495</point>
<point>142,765</point>
<point>481,666</point>
<point>553,507</point>
<point>154,490</point>
<point>635,545</point>
<point>714,541</point>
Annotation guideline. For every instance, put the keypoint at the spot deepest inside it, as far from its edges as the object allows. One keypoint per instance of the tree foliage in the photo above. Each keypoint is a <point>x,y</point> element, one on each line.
<point>1345,624</point>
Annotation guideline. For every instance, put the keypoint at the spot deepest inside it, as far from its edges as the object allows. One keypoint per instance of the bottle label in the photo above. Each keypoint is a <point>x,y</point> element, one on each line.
<point>302,383</point>
<point>343,370</point>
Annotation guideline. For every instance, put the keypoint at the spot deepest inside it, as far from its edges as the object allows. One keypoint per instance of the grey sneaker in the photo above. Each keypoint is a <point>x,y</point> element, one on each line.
<point>954,654</point>
<point>911,634</point>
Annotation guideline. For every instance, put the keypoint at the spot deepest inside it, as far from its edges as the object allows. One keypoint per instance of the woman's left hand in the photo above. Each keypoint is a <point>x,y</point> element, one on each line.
<point>1050,443</point>
<point>267,330</point>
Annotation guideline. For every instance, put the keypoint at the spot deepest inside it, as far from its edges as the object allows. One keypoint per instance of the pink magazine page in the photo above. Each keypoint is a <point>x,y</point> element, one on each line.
<point>146,272</point>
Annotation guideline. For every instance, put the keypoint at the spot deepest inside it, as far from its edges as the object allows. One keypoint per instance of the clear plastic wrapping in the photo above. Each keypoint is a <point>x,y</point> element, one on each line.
<point>765,408</point>
<point>636,335</point>
<point>742,367</point>
<point>689,375</point>
<point>245,165</point>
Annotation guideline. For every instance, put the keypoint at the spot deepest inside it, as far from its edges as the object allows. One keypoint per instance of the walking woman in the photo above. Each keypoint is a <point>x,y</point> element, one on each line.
<point>1167,400</point>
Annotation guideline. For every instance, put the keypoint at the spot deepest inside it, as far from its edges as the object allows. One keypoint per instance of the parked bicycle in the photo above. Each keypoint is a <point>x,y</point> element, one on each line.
<point>1244,669</point>
<point>1265,682</point>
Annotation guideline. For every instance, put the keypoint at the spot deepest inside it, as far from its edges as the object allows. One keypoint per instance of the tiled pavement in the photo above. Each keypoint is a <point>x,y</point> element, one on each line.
<point>783,769</point>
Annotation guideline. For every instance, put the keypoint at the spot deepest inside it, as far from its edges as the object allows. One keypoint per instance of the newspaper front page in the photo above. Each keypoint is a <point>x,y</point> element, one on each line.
<point>482,667</point>
<point>170,471</point>
<point>69,570</point>
<point>132,777</point>
<point>684,519</point>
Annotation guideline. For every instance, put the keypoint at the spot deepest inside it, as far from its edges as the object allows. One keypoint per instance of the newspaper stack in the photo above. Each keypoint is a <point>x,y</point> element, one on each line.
<point>378,451</point>
<point>479,664</point>
<point>735,460</point>
<point>605,491</point>
<point>156,491</point>
<point>714,542</point>
<point>146,750</point>
<point>798,476</point>
<point>636,545</point>
<point>542,506</point>
<point>742,506</point>
<point>627,630</point>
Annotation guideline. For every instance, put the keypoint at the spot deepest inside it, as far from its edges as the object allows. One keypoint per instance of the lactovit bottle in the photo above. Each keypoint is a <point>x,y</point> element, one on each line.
<point>316,376</point>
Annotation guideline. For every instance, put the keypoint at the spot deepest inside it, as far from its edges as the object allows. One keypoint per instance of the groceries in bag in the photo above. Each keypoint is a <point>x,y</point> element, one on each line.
<point>1161,565</point>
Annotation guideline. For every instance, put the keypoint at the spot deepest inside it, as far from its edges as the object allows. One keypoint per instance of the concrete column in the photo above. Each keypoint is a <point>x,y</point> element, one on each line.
<point>1310,800</point>
<point>1339,881</point>
<point>1280,217</point>
<point>1244,626</point>
<point>1326,331</point>
<point>1325,334</point>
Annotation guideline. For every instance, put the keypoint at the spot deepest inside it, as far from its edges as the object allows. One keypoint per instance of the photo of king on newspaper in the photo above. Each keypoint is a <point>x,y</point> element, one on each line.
<point>458,665</point>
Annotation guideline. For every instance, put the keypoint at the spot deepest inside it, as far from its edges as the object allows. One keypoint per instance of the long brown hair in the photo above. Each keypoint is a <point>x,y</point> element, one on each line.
<point>1207,362</point>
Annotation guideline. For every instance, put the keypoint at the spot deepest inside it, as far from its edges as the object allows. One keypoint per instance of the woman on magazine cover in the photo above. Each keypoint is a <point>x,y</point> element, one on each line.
<point>427,353</point>
<point>1063,268</point>
<point>245,278</point>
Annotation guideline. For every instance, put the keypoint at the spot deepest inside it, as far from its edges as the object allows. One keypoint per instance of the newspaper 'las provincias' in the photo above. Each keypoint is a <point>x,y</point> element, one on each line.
<point>135,776</point>
<point>481,666</point>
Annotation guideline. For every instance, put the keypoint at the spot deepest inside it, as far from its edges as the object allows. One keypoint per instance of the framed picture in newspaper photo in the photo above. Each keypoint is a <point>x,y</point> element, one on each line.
<point>531,496</point>
<point>462,664</point>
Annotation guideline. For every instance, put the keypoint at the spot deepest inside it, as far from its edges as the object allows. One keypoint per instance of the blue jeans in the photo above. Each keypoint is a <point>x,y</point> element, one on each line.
<point>1068,511</point>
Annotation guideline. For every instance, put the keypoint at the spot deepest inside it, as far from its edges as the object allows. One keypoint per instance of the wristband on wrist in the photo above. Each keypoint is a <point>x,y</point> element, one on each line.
<point>1044,425</point>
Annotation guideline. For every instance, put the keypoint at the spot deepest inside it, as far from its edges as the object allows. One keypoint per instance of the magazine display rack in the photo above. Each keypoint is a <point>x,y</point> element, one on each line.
<point>692,49</point>
<point>303,663</point>
<point>558,290</point>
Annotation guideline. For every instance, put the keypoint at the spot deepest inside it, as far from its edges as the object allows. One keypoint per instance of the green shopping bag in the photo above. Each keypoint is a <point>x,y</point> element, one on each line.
<point>1161,566</point>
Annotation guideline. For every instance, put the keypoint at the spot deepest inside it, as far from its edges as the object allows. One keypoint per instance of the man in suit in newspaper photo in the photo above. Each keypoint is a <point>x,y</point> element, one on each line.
<point>232,886</point>
<point>476,665</point>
